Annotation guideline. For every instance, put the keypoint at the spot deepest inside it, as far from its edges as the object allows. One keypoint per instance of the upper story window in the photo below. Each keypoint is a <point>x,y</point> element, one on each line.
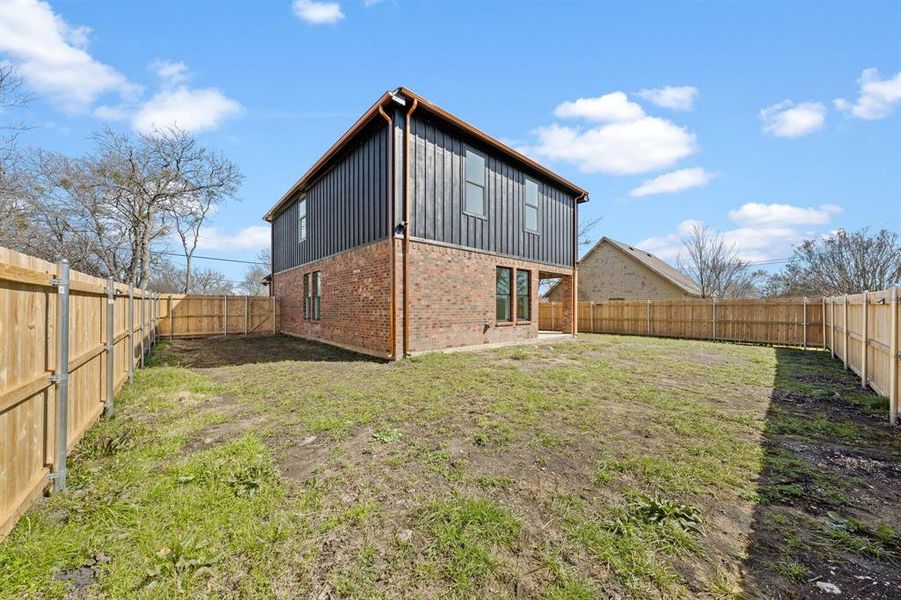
<point>530,212</point>
<point>302,219</point>
<point>474,199</point>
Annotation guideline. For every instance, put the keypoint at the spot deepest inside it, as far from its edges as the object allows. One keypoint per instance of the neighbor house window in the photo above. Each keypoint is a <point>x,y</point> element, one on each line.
<point>317,292</point>
<point>474,202</point>
<point>530,214</point>
<point>307,296</point>
<point>504,288</point>
<point>302,219</point>
<point>523,295</point>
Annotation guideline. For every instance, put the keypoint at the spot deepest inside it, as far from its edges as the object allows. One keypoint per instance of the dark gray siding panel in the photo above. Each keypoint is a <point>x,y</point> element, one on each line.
<point>437,173</point>
<point>346,207</point>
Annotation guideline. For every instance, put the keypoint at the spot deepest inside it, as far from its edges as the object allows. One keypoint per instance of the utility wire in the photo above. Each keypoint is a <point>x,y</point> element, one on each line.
<point>232,260</point>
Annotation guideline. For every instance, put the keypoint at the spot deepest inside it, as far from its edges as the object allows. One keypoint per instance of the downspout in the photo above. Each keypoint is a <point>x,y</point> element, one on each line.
<point>407,224</point>
<point>575,282</point>
<point>392,342</point>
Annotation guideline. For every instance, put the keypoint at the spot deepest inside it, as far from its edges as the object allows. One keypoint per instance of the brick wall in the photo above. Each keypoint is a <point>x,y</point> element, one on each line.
<point>453,301</point>
<point>354,305</point>
<point>608,273</point>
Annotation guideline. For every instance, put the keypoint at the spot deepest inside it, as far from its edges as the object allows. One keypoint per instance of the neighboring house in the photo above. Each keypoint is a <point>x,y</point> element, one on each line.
<point>415,231</point>
<point>613,270</point>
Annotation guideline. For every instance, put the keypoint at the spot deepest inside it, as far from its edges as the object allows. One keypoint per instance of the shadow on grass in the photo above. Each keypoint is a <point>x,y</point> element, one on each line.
<point>208,353</point>
<point>827,508</point>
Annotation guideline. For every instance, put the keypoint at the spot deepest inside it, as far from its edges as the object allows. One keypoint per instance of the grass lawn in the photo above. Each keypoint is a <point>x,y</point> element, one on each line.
<point>606,467</point>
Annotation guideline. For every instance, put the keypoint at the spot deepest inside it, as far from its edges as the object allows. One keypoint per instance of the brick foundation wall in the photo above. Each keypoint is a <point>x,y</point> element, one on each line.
<point>354,305</point>
<point>452,298</point>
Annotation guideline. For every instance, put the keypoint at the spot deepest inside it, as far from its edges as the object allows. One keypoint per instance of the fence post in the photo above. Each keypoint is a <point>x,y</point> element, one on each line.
<point>246,313</point>
<point>649,317</point>
<point>131,332</point>
<point>61,377</point>
<point>893,358</point>
<point>143,322</point>
<point>274,315</point>
<point>713,303</point>
<point>171,320</point>
<point>592,317</point>
<point>864,339</point>
<point>846,330</point>
<point>110,340</point>
<point>224,315</point>
<point>832,326</point>
<point>805,322</point>
<point>823,321</point>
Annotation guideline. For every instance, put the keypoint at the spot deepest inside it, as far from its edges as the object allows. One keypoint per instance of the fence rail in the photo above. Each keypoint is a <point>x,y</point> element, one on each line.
<point>68,342</point>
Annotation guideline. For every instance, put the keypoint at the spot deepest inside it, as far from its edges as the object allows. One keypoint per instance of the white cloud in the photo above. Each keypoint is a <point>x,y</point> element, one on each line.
<point>188,109</point>
<point>253,237</point>
<point>756,214</point>
<point>52,56</point>
<point>170,72</point>
<point>876,98</point>
<point>787,119</point>
<point>626,148</point>
<point>611,107</point>
<point>761,231</point>
<point>674,97</point>
<point>675,181</point>
<point>318,13</point>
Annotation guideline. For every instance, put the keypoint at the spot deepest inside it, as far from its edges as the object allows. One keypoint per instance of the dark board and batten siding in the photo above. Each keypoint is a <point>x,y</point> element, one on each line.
<point>437,159</point>
<point>346,207</point>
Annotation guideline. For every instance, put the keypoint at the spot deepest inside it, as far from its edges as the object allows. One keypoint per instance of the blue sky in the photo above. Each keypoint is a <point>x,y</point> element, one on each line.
<point>768,121</point>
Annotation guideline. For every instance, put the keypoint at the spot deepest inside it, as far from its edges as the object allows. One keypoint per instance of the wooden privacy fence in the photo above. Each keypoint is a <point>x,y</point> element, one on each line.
<point>68,342</point>
<point>862,330</point>
<point>200,316</point>
<point>792,321</point>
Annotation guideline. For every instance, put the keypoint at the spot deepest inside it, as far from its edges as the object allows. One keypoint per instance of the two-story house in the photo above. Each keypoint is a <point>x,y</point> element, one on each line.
<point>416,231</point>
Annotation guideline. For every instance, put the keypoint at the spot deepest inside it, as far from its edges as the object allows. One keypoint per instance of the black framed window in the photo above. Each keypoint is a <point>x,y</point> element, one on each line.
<point>530,208</point>
<point>503,311</point>
<point>317,293</point>
<point>302,219</point>
<point>474,200</point>
<point>523,295</point>
<point>307,296</point>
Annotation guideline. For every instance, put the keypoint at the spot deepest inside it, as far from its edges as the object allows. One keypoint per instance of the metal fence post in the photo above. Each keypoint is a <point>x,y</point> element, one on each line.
<point>805,322</point>
<point>864,338</point>
<point>246,313</point>
<point>110,340</point>
<point>131,332</point>
<point>61,377</point>
<point>274,315</point>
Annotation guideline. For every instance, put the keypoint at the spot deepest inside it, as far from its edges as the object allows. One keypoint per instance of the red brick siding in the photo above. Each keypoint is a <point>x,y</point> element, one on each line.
<point>354,305</point>
<point>452,298</point>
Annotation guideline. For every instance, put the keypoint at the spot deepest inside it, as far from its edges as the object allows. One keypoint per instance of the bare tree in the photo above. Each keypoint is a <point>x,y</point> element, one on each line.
<point>253,278</point>
<point>14,213</point>
<point>715,266</point>
<point>841,263</point>
<point>206,181</point>
<point>210,281</point>
<point>106,211</point>
<point>585,231</point>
